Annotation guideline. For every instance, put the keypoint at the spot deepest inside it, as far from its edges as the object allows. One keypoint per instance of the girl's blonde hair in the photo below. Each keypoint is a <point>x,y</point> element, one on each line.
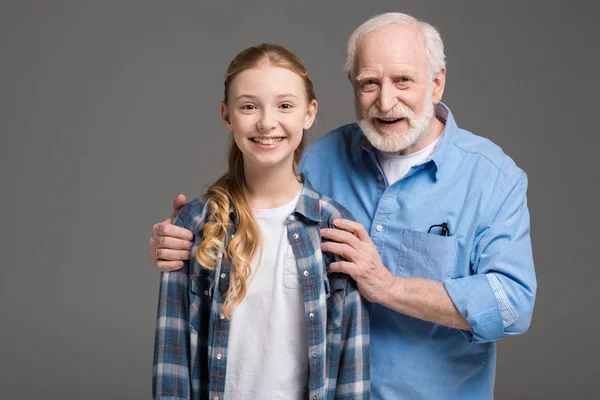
<point>229,190</point>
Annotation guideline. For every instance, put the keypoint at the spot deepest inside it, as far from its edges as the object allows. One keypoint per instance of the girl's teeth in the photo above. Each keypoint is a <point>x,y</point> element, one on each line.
<point>267,141</point>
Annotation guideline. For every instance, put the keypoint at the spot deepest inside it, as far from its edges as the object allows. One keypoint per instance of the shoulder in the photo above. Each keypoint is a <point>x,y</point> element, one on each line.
<point>323,206</point>
<point>342,136</point>
<point>192,214</point>
<point>491,173</point>
<point>331,209</point>
<point>486,154</point>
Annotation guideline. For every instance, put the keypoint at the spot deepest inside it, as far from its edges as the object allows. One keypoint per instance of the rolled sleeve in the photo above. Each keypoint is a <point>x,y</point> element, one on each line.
<point>353,381</point>
<point>171,372</point>
<point>352,373</point>
<point>498,299</point>
<point>474,299</point>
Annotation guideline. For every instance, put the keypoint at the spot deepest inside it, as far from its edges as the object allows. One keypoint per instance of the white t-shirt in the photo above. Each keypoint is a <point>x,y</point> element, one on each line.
<point>267,350</point>
<point>395,167</point>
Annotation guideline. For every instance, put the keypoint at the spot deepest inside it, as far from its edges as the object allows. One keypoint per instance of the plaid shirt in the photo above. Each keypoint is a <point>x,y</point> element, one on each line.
<point>190,352</point>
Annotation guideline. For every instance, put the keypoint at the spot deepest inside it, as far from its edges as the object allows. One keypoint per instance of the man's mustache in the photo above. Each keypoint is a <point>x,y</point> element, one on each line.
<point>399,111</point>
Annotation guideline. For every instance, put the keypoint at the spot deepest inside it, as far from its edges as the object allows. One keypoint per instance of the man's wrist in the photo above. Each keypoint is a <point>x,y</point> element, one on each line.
<point>384,293</point>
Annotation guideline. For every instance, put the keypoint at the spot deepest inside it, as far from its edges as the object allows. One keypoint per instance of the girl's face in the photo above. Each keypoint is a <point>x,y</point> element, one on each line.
<point>267,112</point>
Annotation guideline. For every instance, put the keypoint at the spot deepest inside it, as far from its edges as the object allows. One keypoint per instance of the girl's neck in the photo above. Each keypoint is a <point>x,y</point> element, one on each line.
<point>270,187</point>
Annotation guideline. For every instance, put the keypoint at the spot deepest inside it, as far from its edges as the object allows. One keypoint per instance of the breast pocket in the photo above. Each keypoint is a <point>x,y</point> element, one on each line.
<point>291,276</point>
<point>427,256</point>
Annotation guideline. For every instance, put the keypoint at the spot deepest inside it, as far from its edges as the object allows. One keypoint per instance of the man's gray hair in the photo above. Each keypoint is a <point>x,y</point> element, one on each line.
<point>431,37</point>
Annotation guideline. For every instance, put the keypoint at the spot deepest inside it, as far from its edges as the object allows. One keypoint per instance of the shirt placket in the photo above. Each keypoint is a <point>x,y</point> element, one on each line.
<point>304,249</point>
<point>220,331</point>
<point>386,207</point>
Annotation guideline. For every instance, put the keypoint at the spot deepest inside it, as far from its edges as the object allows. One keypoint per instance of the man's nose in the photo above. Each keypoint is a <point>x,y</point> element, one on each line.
<point>387,98</point>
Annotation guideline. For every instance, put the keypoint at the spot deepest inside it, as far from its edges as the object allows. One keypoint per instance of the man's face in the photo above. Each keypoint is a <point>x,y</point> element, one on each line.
<point>394,94</point>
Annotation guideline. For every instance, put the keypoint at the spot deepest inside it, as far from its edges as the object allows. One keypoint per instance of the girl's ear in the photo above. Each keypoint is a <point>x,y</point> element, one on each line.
<point>311,114</point>
<point>225,117</point>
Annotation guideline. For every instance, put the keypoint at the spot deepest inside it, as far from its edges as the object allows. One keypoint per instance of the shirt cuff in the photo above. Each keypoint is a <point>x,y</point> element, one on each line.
<point>509,316</point>
<point>474,298</point>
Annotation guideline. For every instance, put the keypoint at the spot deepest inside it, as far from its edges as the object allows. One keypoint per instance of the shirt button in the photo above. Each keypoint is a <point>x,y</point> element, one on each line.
<point>206,292</point>
<point>305,273</point>
<point>216,398</point>
<point>223,275</point>
<point>311,315</point>
<point>292,218</point>
<point>314,355</point>
<point>314,397</point>
<point>222,316</point>
<point>295,236</point>
<point>379,228</point>
<point>379,177</point>
<point>232,236</point>
<point>219,356</point>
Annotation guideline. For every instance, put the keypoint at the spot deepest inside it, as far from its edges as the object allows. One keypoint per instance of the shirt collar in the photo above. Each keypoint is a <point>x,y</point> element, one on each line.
<point>441,155</point>
<point>360,144</point>
<point>308,204</point>
<point>442,113</point>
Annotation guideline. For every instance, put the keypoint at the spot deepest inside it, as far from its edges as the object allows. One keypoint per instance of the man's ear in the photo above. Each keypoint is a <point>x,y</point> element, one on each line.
<point>439,83</point>
<point>311,114</point>
<point>225,117</point>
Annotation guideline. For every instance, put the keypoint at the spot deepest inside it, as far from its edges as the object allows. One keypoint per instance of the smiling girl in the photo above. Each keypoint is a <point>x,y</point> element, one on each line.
<point>254,314</point>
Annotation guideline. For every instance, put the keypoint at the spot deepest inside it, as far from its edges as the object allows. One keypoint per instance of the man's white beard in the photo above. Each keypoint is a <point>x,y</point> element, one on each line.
<point>392,142</point>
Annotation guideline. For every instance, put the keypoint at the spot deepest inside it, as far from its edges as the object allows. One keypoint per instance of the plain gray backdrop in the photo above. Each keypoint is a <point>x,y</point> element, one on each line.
<point>109,109</point>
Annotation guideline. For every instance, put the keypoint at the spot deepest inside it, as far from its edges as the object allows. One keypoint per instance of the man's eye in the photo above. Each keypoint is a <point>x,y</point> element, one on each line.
<point>369,84</point>
<point>404,79</point>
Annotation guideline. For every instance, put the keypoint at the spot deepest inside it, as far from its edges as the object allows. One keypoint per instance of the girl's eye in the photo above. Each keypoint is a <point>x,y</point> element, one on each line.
<point>286,106</point>
<point>248,107</point>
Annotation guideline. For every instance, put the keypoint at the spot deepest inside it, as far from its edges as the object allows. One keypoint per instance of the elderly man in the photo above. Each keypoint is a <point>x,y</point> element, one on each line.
<point>442,250</point>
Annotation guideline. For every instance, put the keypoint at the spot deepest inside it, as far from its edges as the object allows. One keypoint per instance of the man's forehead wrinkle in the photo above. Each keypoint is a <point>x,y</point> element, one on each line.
<point>387,67</point>
<point>369,71</point>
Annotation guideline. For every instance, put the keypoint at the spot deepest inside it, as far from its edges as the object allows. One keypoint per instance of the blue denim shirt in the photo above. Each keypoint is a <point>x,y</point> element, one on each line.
<point>485,263</point>
<point>190,353</point>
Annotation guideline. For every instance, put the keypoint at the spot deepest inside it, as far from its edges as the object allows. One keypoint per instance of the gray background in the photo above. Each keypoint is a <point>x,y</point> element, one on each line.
<point>109,109</point>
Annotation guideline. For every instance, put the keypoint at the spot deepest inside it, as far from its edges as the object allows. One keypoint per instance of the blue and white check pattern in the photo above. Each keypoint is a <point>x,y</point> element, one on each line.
<point>190,353</point>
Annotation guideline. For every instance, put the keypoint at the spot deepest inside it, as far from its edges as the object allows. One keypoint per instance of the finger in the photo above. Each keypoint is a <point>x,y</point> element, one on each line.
<point>171,255</point>
<point>157,226</point>
<point>340,249</point>
<point>168,266</point>
<point>340,236</point>
<point>344,267</point>
<point>179,202</point>
<point>354,227</point>
<point>177,232</point>
<point>167,242</point>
